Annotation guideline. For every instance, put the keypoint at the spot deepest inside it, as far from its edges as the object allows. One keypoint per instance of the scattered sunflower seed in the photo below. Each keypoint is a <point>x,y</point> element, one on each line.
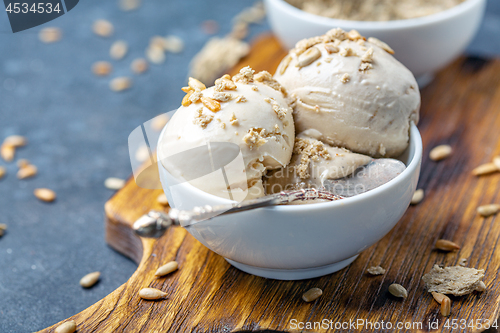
<point>418,196</point>
<point>102,68</point>
<point>446,307</point>
<point>90,279</point>
<point>118,50</point>
<point>139,66</point>
<point>159,122</point>
<point>22,163</point>
<point>151,293</point>
<point>488,210</point>
<point>155,54</point>
<point>2,172</point>
<point>50,35</point>
<point>103,28</point>
<point>398,290</point>
<point>8,152</point>
<point>485,169</point>
<point>376,270</point>
<point>312,294</point>
<point>481,287</point>
<point>440,152</point>
<point>114,183</point>
<point>174,44</point>
<point>128,5</point>
<point>45,194</point>
<point>120,83</point>
<point>162,199</point>
<point>67,327</point>
<point>15,141</point>
<point>446,245</point>
<point>167,268</point>
<point>308,57</point>
<point>438,296</point>
<point>27,172</point>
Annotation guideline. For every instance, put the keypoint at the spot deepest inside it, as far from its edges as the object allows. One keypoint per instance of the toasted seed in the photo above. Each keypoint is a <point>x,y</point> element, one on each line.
<point>309,57</point>
<point>211,104</point>
<point>440,152</point>
<point>376,270</point>
<point>196,84</point>
<point>67,327</point>
<point>27,172</point>
<point>312,294</point>
<point>155,54</point>
<point>151,293</point>
<point>186,89</point>
<point>120,83</point>
<point>45,194</point>
<point>488,210</point>
<point>284,64</point>
<point>159,122</point>
<point>381,44</point>
<point>481,286</point>
<point>118,50</point>
<point>446,306</point>
<point>22,163</point>
<point>15,141</point>
<point>174,44</point>
<point>90,279</point>
<point>3,171</point>
<point>114,183</point>
<point>496,161</point>
<point>354,35</point>
<point>398,290</point>
<point>101,68</point>
<point>330,48</point>
<point>418,196</point>
<point>8,152</point>
<point>446,245</point>
<point>438,296</point>
<point>162,199</point>
<point>50,35</point>
<point>186,101</point>
<point>139,65</point>
<point>485,169</point>
<point>167,268</point>
<point>103,28</point>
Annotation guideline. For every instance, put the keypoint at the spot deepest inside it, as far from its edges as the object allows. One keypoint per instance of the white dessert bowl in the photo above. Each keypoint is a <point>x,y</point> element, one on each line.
<point>423,44</point>
<point>293,242</point>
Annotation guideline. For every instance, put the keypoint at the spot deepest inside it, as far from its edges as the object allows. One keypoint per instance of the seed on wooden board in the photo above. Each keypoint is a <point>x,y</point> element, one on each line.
<point>50,35</point>
<point>114,183</point>
<point>15,141</point>
<point>496,161</point>
<point>418,196</point>
<point>481,286</point>
<point>167,268</point>
<point>309,57</point>
<point>3,171</point>
<point>45,194</point>
<point>151,293</point>
<point>103,28</point>
<point>440,152</point>
<point>118,50</point>
<point>139,66</point>
<point>67,327</point>
<point>162,199</point>
<point>120,83</point>
<point>446,307</point>
<point>446,245</point>
<point>312,294</point>
<point>398,290</point>
<point>27,172</point>
<point>488,210</point>
<point>438,296</point>
<point>90,279</point>
<point>485,169</point>
<point>8,152</point>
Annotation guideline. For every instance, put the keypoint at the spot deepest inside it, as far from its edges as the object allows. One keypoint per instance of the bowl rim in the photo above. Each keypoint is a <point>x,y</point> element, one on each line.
<point>380,25</point>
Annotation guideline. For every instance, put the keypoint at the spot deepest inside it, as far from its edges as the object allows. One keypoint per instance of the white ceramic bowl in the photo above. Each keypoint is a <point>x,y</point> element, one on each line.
<point>423,44</point>
<point>302,241</point>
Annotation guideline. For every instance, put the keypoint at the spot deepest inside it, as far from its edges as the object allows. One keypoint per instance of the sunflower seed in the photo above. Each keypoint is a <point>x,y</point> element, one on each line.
<point>162,199</point>
<point>8,152</point>
<point>312,294</point>
<point>398,290</point>
<point>15,141</point>
<point>488,210</point>
<point>50,35</point>
<point>155,54</point>
<point>376,270</point>
<point>120,83</point>
<point>22,163</point>
<point>90,279</point>
<point>418,196</point>
<point>45,194</point>
<point>151,293</point>
<point>27,172</point>
<point>481,287</point>
<point>485,169</point>
<point>496,161</point>
<point>174,44</point>
<point>210,104</point>
<point>118,50</point>
<point>2,172</point>
<point>114,183</point>
<point>167,268</point>
<point>67,327</point>
<point>446,307</point>
<point>309,57</point>
<point>438,296</point>
<point>139,66</point>
<point>196,84</point>
<point>446,245</point>
<point>440,152</point>
<point>103,28</point>
<point>101,68</point>
<point>284,64</point>
<point>186,100</point>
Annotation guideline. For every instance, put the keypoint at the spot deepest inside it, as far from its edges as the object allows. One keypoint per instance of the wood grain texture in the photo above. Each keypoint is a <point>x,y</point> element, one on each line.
<point>461,107</point>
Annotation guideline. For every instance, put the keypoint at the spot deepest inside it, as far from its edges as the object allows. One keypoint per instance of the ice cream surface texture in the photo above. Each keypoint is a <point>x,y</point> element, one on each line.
<point>352,91</point>
<point>249,110</point>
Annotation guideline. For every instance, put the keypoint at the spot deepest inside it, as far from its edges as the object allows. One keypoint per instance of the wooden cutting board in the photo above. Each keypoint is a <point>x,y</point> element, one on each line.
<point>461,107</point>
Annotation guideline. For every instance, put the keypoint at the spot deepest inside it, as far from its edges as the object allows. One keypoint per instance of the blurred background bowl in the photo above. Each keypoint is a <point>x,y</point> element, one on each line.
<point>424,44</point>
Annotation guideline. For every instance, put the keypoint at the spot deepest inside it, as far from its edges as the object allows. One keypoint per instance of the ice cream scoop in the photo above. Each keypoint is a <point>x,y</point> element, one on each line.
<point>352,91</point>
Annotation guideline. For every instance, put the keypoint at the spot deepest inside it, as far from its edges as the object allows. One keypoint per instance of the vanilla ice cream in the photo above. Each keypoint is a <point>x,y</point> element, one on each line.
<point>352,91</point>
<point>247,110</point>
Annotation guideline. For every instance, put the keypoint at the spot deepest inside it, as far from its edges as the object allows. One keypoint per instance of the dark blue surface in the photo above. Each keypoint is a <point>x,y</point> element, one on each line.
<point>78,132</point>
